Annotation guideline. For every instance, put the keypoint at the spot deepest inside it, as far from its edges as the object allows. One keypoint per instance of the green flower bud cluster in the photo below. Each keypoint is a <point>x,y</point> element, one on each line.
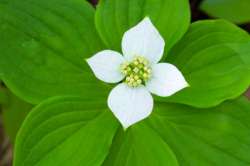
<point>136,72</point>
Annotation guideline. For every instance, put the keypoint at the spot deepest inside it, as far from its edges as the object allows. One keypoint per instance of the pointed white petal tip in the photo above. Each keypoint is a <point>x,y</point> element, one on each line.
<point>166,80</point>
<point>130,105</point>
<point>106,66</point>
<point>147,19</point>
<point>143,40</point>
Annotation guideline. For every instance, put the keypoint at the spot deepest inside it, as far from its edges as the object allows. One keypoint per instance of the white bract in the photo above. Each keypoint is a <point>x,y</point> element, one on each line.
<point>138,73</point>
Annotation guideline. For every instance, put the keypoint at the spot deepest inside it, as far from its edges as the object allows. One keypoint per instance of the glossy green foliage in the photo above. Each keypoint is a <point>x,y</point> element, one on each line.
<point>73,132</point>
<point>218,136</point>
<point>65,132</point>
<point>233,10</point>
<point>140,145</point>
<point>14,111</point>
<point>214,58</point>
<point>114,17</point>
<point>43,48</point>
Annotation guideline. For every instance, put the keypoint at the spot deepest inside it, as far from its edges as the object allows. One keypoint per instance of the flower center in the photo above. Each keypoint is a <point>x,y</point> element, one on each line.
<point>136,72</point>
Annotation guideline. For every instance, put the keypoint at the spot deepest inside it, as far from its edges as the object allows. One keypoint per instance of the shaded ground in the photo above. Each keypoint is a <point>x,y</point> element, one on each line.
<point>5,147</point>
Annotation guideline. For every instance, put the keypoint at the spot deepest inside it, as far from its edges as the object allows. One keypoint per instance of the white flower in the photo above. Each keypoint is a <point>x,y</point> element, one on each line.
<point>137,72</point>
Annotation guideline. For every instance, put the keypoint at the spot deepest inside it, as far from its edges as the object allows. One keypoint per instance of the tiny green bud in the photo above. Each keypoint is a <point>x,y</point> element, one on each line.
<point>136,77</point>
<point>136,63</point>
<point>136,70</point>
<point>135,84</point>
<point>141,66</point>
<point>139,81</point>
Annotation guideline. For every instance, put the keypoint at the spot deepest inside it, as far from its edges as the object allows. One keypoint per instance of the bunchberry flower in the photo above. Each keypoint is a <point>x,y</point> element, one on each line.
<point>138,73</point>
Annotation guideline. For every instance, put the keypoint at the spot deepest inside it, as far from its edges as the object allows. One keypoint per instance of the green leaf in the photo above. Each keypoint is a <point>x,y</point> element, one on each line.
<point>14,111</point>
<point>114,17</point>
<point>216,136</point>
<point>43,48</point>
<point>72,131</point>
<point>140,146</point>
<point>233,10</point>
<point>65,132</point>
<point>243,51</point>
<point>214,58</point>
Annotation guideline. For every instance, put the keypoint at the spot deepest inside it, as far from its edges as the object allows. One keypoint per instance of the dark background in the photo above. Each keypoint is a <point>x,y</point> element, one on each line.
<point>5,146</point>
